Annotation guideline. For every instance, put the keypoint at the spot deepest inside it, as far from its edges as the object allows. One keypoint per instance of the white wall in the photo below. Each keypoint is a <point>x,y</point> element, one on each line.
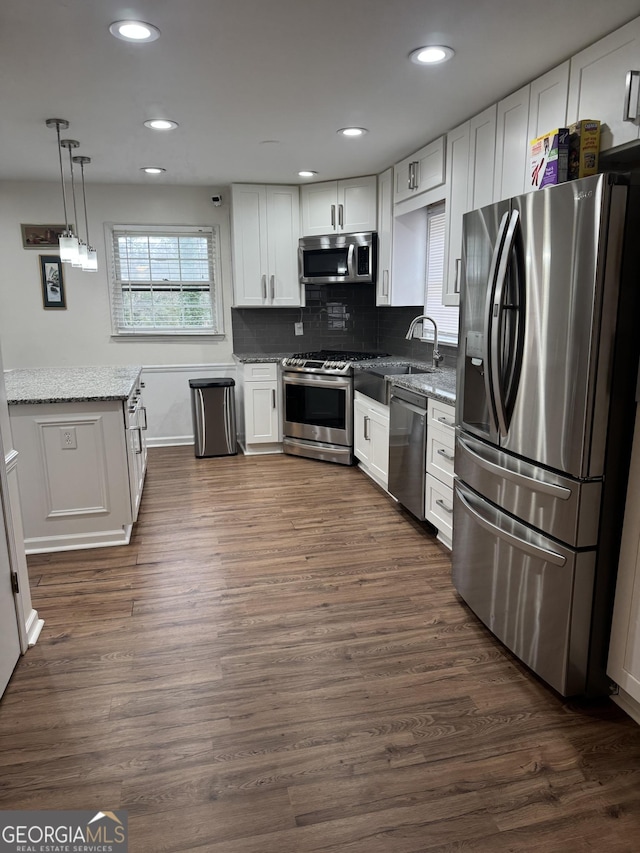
<point>81,335</point>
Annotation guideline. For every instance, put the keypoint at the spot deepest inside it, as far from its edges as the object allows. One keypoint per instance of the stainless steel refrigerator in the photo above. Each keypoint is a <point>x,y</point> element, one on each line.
<point>545,407</point>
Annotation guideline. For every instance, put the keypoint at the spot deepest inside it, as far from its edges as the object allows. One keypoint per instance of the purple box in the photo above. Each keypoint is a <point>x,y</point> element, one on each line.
<point>549,162</point>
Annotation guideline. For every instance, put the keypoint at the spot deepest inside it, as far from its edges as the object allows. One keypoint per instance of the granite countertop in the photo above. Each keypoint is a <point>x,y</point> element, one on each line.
<point>439,383</point>
<point>259,358</point>
<point>69,384</point>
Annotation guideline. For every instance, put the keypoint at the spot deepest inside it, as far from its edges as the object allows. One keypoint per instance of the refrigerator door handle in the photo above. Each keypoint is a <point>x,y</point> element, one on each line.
<point>551,489</point>
<point>518,543</point>
<point>496,311</point>
<point>488,320</point>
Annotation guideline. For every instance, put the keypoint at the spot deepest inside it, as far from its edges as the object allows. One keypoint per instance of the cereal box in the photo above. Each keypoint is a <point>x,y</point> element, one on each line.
<point>549,158</point>
<point>584,146</point>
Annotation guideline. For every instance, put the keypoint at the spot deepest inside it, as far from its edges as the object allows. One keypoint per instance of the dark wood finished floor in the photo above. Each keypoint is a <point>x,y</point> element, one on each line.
<point>278,663</point>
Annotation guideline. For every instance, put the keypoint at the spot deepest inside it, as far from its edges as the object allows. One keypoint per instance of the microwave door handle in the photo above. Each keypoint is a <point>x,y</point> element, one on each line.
<point>497,325</point>
<point>351,271</point>
<point>488,320</point>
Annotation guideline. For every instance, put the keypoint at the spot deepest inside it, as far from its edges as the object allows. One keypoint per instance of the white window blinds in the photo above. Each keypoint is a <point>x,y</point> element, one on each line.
<point>165,280</point>
<point>445,316</point>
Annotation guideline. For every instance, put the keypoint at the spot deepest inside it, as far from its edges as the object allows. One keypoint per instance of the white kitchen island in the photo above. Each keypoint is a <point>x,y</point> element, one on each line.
<point>79,433</point>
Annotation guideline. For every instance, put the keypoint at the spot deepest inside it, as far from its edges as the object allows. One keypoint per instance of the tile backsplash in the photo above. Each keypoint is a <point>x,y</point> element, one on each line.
<point>341,317</point>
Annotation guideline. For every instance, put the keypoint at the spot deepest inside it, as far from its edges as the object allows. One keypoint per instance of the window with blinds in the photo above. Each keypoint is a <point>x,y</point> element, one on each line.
<point>165,280</point>
<point>446,316</point>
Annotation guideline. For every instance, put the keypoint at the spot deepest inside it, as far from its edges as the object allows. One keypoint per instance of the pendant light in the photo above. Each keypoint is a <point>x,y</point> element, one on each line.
<point>89,255</point>
<point>68,242</point>
<point>70,144</point>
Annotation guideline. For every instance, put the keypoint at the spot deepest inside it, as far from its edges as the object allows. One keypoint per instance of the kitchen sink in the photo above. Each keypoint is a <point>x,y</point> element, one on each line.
<point>374,381</point>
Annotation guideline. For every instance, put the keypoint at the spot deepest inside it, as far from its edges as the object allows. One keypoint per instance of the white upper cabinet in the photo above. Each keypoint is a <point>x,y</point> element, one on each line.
<point>265,223</point>
<point>401,250</point>
<point>512,144</point>
<point>335,207</point>
<point>470,167</point>
<point>597,86</point>
<point>420,172</point>
<point>547,109</point>
<point>482,149</point>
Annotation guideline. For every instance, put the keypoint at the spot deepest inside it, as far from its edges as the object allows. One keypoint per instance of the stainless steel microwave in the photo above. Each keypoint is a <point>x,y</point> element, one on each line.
<point>338,258</point>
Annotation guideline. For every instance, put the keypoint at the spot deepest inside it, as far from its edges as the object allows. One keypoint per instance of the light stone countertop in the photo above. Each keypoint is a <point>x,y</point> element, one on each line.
<point>439,383</point>
<point>69,384</point>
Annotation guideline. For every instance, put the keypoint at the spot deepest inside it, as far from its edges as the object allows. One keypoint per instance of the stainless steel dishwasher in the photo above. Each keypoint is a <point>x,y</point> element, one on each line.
<point>407,449</point>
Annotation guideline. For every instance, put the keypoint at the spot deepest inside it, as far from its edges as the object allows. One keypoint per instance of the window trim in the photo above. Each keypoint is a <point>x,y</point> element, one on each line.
<point>215,289</point>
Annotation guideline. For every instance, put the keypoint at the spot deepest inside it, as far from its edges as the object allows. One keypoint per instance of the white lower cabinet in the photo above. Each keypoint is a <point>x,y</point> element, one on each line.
<point>81,471</point>
<point>439,466</point>
<point>371,437</point>
<point>258,408</point>
<point>624,649</point>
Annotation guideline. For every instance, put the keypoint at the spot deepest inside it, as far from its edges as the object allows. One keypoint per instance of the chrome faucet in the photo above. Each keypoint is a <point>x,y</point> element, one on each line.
<point>436,357</point>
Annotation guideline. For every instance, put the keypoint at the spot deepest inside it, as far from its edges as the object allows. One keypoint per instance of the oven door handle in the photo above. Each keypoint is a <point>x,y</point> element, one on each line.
<point>323,380</point>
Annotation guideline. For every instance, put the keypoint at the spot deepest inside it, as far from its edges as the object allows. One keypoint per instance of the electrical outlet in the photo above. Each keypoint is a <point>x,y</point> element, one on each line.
<point>68,439</point>
<point>299,329</point>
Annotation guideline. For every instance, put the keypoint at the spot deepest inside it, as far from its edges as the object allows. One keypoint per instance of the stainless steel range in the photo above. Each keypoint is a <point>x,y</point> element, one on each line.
<point>318,404</point>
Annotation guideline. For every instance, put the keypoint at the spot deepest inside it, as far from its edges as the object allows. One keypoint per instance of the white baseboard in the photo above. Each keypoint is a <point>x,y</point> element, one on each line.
<point>170,441</point>
<point>78,541</point>
<point>33,627</point>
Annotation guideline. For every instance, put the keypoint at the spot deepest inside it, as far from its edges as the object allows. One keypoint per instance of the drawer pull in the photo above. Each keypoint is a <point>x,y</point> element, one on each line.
<point>448,456</point>
<point>442,504</point>
<point>446,422</point>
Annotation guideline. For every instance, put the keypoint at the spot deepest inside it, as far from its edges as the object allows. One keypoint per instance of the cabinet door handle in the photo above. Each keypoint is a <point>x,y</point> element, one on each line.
<point>446,422</point>
<point>264,287</point>
<point>442,504</point>
<point>273,287</point>
<point>633,77</point>
<point>366,428</point>
<point>446,455</point>
<point>137,429</point>
<point>273,398</point>
<point>341,215</point>
<point>143,409</point>
<point>410,177</point>
<point>333,216</point>
<point>456,284</point>
<point>385,282</point>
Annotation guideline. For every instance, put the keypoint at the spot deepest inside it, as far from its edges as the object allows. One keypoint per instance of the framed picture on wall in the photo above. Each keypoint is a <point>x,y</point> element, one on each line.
<point>41,236</point>
<point>52,282</point>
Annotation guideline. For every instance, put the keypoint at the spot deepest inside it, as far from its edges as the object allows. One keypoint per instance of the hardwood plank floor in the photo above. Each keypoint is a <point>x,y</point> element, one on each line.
<point>278,663</point>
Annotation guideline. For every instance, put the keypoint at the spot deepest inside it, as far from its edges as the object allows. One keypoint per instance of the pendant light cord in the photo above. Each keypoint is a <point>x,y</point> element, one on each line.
<point>84,201</point>
<point>64,195</point>
<point>73,190</point>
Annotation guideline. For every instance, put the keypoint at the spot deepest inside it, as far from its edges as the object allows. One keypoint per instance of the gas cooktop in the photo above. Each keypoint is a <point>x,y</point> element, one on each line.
<point>328,361</point>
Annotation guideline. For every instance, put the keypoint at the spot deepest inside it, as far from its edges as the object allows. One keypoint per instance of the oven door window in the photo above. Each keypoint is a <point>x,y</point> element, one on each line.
<point>316,406</point>
<point>320,263</point>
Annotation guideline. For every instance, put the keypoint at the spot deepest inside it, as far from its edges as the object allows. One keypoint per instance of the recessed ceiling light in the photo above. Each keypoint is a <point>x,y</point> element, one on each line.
<point>432,54</point>
<point>353,131</point>
<point>307,173</point>
<point>137,31</point>
<point>152,170</point>
<point>161,124</point>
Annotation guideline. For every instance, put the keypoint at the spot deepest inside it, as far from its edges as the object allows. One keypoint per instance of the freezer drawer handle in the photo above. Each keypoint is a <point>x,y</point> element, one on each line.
<point>519,544</point>
<point>555,491</point>
<point>447,456</point>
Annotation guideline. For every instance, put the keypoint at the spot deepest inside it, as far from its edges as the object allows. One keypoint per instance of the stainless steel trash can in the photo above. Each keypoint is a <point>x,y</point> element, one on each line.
<point>214,416</point>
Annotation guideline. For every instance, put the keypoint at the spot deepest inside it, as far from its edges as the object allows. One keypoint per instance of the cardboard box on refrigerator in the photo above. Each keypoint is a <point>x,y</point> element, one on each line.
<point>584,147</point>
<point>549,161</point>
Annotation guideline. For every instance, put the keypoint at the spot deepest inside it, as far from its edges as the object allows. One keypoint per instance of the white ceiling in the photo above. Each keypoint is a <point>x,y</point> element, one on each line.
<point>259,87</point>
